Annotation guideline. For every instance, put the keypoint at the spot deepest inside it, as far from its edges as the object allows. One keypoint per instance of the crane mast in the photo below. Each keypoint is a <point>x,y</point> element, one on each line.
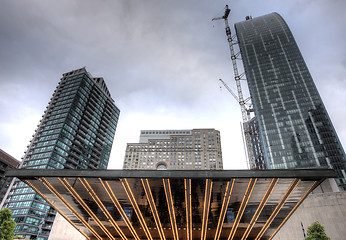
<point>237,77</point>
<point>240,98</point>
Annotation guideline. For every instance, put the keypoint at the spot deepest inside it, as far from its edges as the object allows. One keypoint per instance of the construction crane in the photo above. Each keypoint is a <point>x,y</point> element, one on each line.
<point>248,109</point>
<point>229,90</point>
<point>245,112</point>
<point>237,77</point>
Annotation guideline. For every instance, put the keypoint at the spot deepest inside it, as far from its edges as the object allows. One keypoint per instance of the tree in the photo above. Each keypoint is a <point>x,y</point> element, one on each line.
<point>7,224</point>
<point>316,232</point>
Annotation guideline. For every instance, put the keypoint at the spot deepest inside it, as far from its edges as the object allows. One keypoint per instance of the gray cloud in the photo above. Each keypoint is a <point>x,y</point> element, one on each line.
<point>161,61</point>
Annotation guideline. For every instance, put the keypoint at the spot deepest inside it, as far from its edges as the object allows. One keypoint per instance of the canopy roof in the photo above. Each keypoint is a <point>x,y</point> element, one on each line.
<point>174,204</point>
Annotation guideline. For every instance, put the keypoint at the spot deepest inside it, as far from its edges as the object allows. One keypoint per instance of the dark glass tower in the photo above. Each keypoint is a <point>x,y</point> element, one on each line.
<point>293,125</point>
<point>76,132</point>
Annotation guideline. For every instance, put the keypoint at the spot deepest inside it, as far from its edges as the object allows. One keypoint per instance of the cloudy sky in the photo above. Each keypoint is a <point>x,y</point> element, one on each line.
<point>161,60</point>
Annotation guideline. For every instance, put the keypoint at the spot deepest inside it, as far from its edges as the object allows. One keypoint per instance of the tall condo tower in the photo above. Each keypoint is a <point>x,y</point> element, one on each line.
<point>294,128</point>
<point>198,149</point>
<point>75,132</point>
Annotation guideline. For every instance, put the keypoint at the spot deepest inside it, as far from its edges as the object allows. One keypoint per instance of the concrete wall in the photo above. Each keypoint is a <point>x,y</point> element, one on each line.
<point>63,230</point>
<point>329,209</point>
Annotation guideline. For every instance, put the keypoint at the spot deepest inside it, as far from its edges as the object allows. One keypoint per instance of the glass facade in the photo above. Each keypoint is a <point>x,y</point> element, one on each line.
<point>198,149</point>
<point>294,128</point>
<point>76,132</point>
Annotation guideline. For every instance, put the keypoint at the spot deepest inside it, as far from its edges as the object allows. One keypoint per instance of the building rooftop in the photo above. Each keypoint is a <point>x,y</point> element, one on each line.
<point>8,159</point>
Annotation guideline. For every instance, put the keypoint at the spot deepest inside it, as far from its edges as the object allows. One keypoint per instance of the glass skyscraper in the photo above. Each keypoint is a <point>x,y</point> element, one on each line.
<point>75,132</point>
<point>294,128</point>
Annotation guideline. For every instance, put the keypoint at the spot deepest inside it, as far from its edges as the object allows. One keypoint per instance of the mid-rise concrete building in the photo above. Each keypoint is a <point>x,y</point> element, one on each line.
<point>198,149</point>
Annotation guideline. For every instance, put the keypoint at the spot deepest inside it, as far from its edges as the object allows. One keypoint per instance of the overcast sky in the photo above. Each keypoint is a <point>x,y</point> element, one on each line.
<point>161,60</point>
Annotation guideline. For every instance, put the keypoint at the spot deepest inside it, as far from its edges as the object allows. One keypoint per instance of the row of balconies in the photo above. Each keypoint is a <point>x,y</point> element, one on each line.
<point>77,152</point>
